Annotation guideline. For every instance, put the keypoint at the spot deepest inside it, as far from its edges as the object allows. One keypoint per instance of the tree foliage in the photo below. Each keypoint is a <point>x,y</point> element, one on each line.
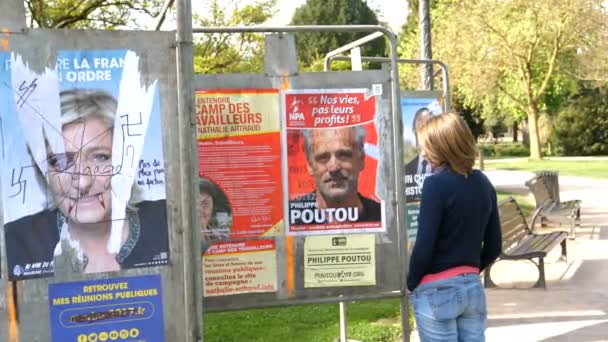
<point>508,55</point>
<point>81,14</point>
<point>582,127</point>
<point>313,46</point>
<point>218,53</point>
<point>470,115</point>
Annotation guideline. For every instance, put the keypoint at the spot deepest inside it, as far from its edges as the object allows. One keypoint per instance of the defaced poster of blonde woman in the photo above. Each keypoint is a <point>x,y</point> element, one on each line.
<point>83,168</point>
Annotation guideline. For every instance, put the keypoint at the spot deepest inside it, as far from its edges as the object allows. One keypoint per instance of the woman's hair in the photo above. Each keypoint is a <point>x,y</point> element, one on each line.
<point>447,139</point>
<point>78,104</point>
<point>205,186</point>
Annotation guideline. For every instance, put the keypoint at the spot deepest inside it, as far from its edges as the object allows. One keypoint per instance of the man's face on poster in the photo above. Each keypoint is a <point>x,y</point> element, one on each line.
<point>335,162</point>
<point>79,179</point>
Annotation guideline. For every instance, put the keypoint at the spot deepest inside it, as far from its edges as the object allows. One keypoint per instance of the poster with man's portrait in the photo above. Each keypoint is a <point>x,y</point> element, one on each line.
<point>332,160</point>
<point>83,167</point>
<point>416,107</point>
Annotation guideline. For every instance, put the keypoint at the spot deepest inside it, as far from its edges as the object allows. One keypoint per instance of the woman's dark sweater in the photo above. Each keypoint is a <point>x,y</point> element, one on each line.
<point>458,225</point>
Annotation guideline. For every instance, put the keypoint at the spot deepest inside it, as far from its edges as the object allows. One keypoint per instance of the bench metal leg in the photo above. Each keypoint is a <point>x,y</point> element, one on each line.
<point>572,226</point>
<point>575,222</point>
<point>564,256</point>
<point>487,279</point>
<point>541,274</point>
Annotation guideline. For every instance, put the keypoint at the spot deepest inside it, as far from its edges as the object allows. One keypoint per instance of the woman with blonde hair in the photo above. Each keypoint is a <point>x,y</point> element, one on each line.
<point>458,235</point>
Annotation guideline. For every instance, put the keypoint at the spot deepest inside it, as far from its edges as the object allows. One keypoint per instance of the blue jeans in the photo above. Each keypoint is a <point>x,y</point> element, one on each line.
<point>452,309</point>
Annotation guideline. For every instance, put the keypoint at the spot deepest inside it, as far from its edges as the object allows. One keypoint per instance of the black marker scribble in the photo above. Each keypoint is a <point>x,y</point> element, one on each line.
<point>25,91</point>
<point>129,125</point>
<point>77,169</point>
<point>130,147</point>
<point>21,182</point>
<point>42,117</point>
<point>129,128</point>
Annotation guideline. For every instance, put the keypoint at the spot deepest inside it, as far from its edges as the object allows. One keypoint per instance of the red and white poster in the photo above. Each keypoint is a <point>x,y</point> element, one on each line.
<point>240,267</point>
<point>239,152</point>
<point>332,161</point>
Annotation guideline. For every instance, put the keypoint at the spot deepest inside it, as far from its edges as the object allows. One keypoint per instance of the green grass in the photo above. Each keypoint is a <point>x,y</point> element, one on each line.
<point>373,321</point>
<point>526,203</point>
<point>578,168</point>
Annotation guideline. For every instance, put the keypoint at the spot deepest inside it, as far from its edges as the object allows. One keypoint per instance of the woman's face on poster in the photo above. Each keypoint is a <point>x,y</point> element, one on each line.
<point>206,209</point>
<point>79,179</point>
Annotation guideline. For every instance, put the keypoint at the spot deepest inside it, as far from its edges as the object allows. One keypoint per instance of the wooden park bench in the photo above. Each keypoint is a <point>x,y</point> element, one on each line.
<point>520,242</point>
<point>545,188</point>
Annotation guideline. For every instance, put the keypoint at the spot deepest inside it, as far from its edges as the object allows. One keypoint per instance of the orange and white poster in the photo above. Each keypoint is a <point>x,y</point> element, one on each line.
<point>239,153</point>
<point>231,268</point>
<point>332,160</point>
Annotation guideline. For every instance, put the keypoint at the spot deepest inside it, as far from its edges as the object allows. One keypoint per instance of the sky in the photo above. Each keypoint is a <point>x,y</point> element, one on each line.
<point>393,12</point>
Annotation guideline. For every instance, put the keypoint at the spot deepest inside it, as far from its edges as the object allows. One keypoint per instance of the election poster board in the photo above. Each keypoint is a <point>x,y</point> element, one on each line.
<point>231,268</point>
<point>118,309</point>
<point>331,161</point>
<point>81,154</point>
<point>339,260</point>
<point>415,108</point>
<point>239,151</point>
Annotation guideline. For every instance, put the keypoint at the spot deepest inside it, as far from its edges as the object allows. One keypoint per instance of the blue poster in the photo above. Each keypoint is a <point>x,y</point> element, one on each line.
<point>413,111</point>
<point>125,309</point>
<point>86,163</point>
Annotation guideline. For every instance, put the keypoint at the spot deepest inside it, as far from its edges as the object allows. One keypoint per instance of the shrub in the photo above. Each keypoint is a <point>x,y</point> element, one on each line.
<point>582,127</point>
<point>505,150</point>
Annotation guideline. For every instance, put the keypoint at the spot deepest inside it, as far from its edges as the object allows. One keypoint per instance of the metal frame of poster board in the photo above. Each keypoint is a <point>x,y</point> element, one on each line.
<point>444,70</point>
<point>28,318</point>
<point>12,19</point>
<point>387,251</point>
<point>281,73</point>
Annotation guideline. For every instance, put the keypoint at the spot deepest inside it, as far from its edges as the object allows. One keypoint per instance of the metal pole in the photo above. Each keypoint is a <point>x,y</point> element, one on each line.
<point>355,59</point>
<point>350,46</point>
<point>343,337</point>
<point>444,70</point>
<point>399,195</point>
<point>426,52</point>
<point>192,277</point>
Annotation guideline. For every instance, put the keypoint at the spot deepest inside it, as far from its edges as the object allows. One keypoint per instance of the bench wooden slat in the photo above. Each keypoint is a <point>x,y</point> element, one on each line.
<point>519,242</point>
<point>562,209</point>
<point>508,211</point>
<point>545,188</point>
<point>540,190</point>
<point>538,242</point>
<point>515,235</point>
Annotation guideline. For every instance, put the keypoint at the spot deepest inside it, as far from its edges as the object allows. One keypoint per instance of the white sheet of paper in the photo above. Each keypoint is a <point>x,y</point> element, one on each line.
<point>130,126</point>
<point>38,108</point>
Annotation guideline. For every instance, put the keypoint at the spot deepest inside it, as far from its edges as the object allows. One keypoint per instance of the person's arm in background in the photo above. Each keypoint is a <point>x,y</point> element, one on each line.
<point>492,240</point>
<point>429,219</point>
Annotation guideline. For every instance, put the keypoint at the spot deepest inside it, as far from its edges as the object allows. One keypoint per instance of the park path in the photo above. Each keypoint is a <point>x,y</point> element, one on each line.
<point>575,305</point>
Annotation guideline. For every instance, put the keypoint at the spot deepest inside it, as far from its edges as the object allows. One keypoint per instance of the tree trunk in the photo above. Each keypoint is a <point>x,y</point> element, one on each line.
<point>535,152</point>
<point>426,51</point>
<point>515,132</point>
